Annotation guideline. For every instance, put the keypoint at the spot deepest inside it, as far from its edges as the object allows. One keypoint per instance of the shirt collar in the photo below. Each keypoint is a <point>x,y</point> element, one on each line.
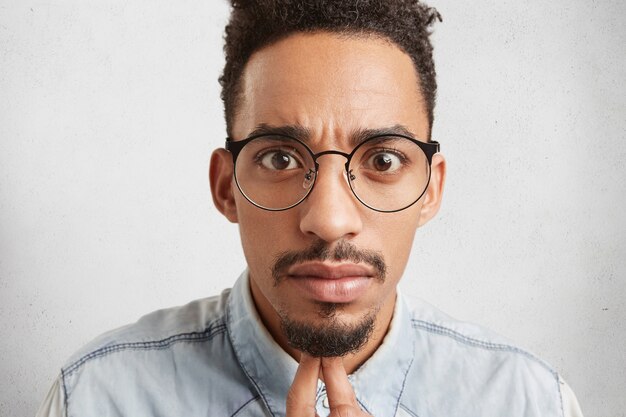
<point>272,370</point>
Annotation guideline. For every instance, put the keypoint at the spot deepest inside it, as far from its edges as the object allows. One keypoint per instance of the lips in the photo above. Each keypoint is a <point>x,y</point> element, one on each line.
<point>331,283</point>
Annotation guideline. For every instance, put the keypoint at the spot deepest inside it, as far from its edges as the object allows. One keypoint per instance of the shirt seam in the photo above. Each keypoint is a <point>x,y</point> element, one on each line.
<point>399,404</point>
<point>558,383</point>
<point>402,406</point>
<point>363,406</point>
<point>202,336</point>
<point>65,412</point>
<point>482,344</point>
<point>244,405</point>
<point>241,365</point>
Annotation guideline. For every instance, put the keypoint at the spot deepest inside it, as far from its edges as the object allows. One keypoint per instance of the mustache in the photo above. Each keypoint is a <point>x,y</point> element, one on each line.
<point>321,251</point>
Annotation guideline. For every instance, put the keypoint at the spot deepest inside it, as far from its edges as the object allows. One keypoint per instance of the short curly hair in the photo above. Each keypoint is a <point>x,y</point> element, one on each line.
<point>255,24</point>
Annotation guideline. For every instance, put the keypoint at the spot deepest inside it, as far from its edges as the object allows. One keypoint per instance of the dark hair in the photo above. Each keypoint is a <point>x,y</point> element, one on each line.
<point>255,24</point>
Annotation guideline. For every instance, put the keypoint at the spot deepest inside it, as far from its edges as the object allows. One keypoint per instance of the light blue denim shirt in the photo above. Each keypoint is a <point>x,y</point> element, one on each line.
<point>214,357</point>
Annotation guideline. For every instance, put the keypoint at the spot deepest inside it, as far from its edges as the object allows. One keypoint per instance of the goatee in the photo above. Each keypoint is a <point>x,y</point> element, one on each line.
<point>331,339</point>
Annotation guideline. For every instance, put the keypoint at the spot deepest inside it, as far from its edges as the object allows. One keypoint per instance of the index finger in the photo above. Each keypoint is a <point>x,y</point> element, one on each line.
<point>301,395</point>
<point>338,387</point>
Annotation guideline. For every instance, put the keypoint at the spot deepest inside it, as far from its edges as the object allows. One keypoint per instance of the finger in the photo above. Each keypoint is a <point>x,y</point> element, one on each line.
<point>338,387</point>
<point>301,395</point>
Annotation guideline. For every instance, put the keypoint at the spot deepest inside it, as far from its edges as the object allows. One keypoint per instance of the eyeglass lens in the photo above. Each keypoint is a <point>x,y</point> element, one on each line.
<point>385,173</point>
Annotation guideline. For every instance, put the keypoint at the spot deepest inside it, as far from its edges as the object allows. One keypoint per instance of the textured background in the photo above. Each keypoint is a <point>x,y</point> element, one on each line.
<point>109,111</point>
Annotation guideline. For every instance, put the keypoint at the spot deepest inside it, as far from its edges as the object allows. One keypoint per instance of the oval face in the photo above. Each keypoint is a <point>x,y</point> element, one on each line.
<point>329,260</point>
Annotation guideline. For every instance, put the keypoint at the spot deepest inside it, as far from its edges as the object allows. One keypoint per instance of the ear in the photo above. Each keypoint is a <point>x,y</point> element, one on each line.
<point>434,193</point>
<point>221,180</point>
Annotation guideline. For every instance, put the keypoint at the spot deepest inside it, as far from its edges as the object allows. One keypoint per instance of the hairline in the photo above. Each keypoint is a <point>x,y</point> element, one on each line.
<point>344,33</point>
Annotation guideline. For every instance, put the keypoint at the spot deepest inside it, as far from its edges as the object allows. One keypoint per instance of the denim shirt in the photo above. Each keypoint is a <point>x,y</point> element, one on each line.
<point>214,357</point>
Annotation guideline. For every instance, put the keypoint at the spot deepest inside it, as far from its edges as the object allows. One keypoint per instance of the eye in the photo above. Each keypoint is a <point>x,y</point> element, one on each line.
<point>384,161</point>
<point>278,160</point>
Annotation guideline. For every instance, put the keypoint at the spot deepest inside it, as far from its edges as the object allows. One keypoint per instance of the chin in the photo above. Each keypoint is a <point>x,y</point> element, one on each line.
<point>330,334</point>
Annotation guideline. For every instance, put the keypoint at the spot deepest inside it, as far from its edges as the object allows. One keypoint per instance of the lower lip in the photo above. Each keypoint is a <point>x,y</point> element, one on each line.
<point>340,290</point>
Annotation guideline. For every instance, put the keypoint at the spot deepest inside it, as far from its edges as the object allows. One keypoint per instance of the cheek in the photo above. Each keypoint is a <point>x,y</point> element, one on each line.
<point>395,234</point>
<point>263,234</point>
<point>255,236</point>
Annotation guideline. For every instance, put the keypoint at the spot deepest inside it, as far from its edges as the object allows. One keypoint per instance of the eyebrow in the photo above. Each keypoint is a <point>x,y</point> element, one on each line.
<point>304,134</point>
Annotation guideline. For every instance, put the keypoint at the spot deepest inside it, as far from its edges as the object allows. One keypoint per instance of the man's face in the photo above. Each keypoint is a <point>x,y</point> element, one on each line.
<point>318,263</point>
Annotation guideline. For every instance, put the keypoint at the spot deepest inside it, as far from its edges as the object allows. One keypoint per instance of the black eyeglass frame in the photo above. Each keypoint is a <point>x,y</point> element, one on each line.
<point>235,147</point>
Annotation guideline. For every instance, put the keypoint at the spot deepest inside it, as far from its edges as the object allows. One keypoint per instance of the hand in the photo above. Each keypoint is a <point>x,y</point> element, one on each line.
<point>341,398</point>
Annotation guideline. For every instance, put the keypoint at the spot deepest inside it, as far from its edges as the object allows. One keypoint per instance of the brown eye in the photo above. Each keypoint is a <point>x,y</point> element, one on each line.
<point>382,162</point>
<point>279,161</point>
<point>385,162</point>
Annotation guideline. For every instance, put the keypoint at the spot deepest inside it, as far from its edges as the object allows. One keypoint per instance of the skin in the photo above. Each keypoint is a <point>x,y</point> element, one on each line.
<point>333,86</point>
<point>341,399</point>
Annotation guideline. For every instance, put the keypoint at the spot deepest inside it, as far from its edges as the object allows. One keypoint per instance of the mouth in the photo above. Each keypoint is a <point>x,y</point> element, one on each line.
<point>331,283</point>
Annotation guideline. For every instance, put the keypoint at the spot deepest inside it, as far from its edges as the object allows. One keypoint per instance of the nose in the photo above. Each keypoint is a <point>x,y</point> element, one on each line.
<point>331,212</point>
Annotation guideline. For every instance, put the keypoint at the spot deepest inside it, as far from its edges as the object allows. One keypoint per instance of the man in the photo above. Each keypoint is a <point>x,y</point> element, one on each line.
<point>329,170</point>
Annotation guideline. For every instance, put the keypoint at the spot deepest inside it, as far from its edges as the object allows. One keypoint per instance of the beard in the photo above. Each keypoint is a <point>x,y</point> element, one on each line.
<point>332,337</point>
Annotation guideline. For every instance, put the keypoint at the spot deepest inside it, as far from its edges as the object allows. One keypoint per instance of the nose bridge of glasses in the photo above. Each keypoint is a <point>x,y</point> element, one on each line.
<point>331,152</point>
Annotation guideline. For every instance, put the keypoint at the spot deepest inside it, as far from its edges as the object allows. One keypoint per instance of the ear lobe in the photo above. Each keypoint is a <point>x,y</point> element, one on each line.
<point>221,180</point>
<point>432,196</point>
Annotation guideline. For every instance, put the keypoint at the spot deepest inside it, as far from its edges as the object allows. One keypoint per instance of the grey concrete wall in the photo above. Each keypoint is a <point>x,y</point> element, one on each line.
<point>109,111</point>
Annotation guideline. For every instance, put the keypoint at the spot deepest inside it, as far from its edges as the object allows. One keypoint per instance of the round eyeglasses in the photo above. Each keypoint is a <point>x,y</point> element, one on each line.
<point>386,173</point>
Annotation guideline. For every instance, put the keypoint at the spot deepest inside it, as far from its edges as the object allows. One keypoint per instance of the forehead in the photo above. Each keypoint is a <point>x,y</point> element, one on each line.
<point>331,85</point>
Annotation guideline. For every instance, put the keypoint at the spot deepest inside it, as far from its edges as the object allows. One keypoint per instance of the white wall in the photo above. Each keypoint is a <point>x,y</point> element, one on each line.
<point>109,111</point>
